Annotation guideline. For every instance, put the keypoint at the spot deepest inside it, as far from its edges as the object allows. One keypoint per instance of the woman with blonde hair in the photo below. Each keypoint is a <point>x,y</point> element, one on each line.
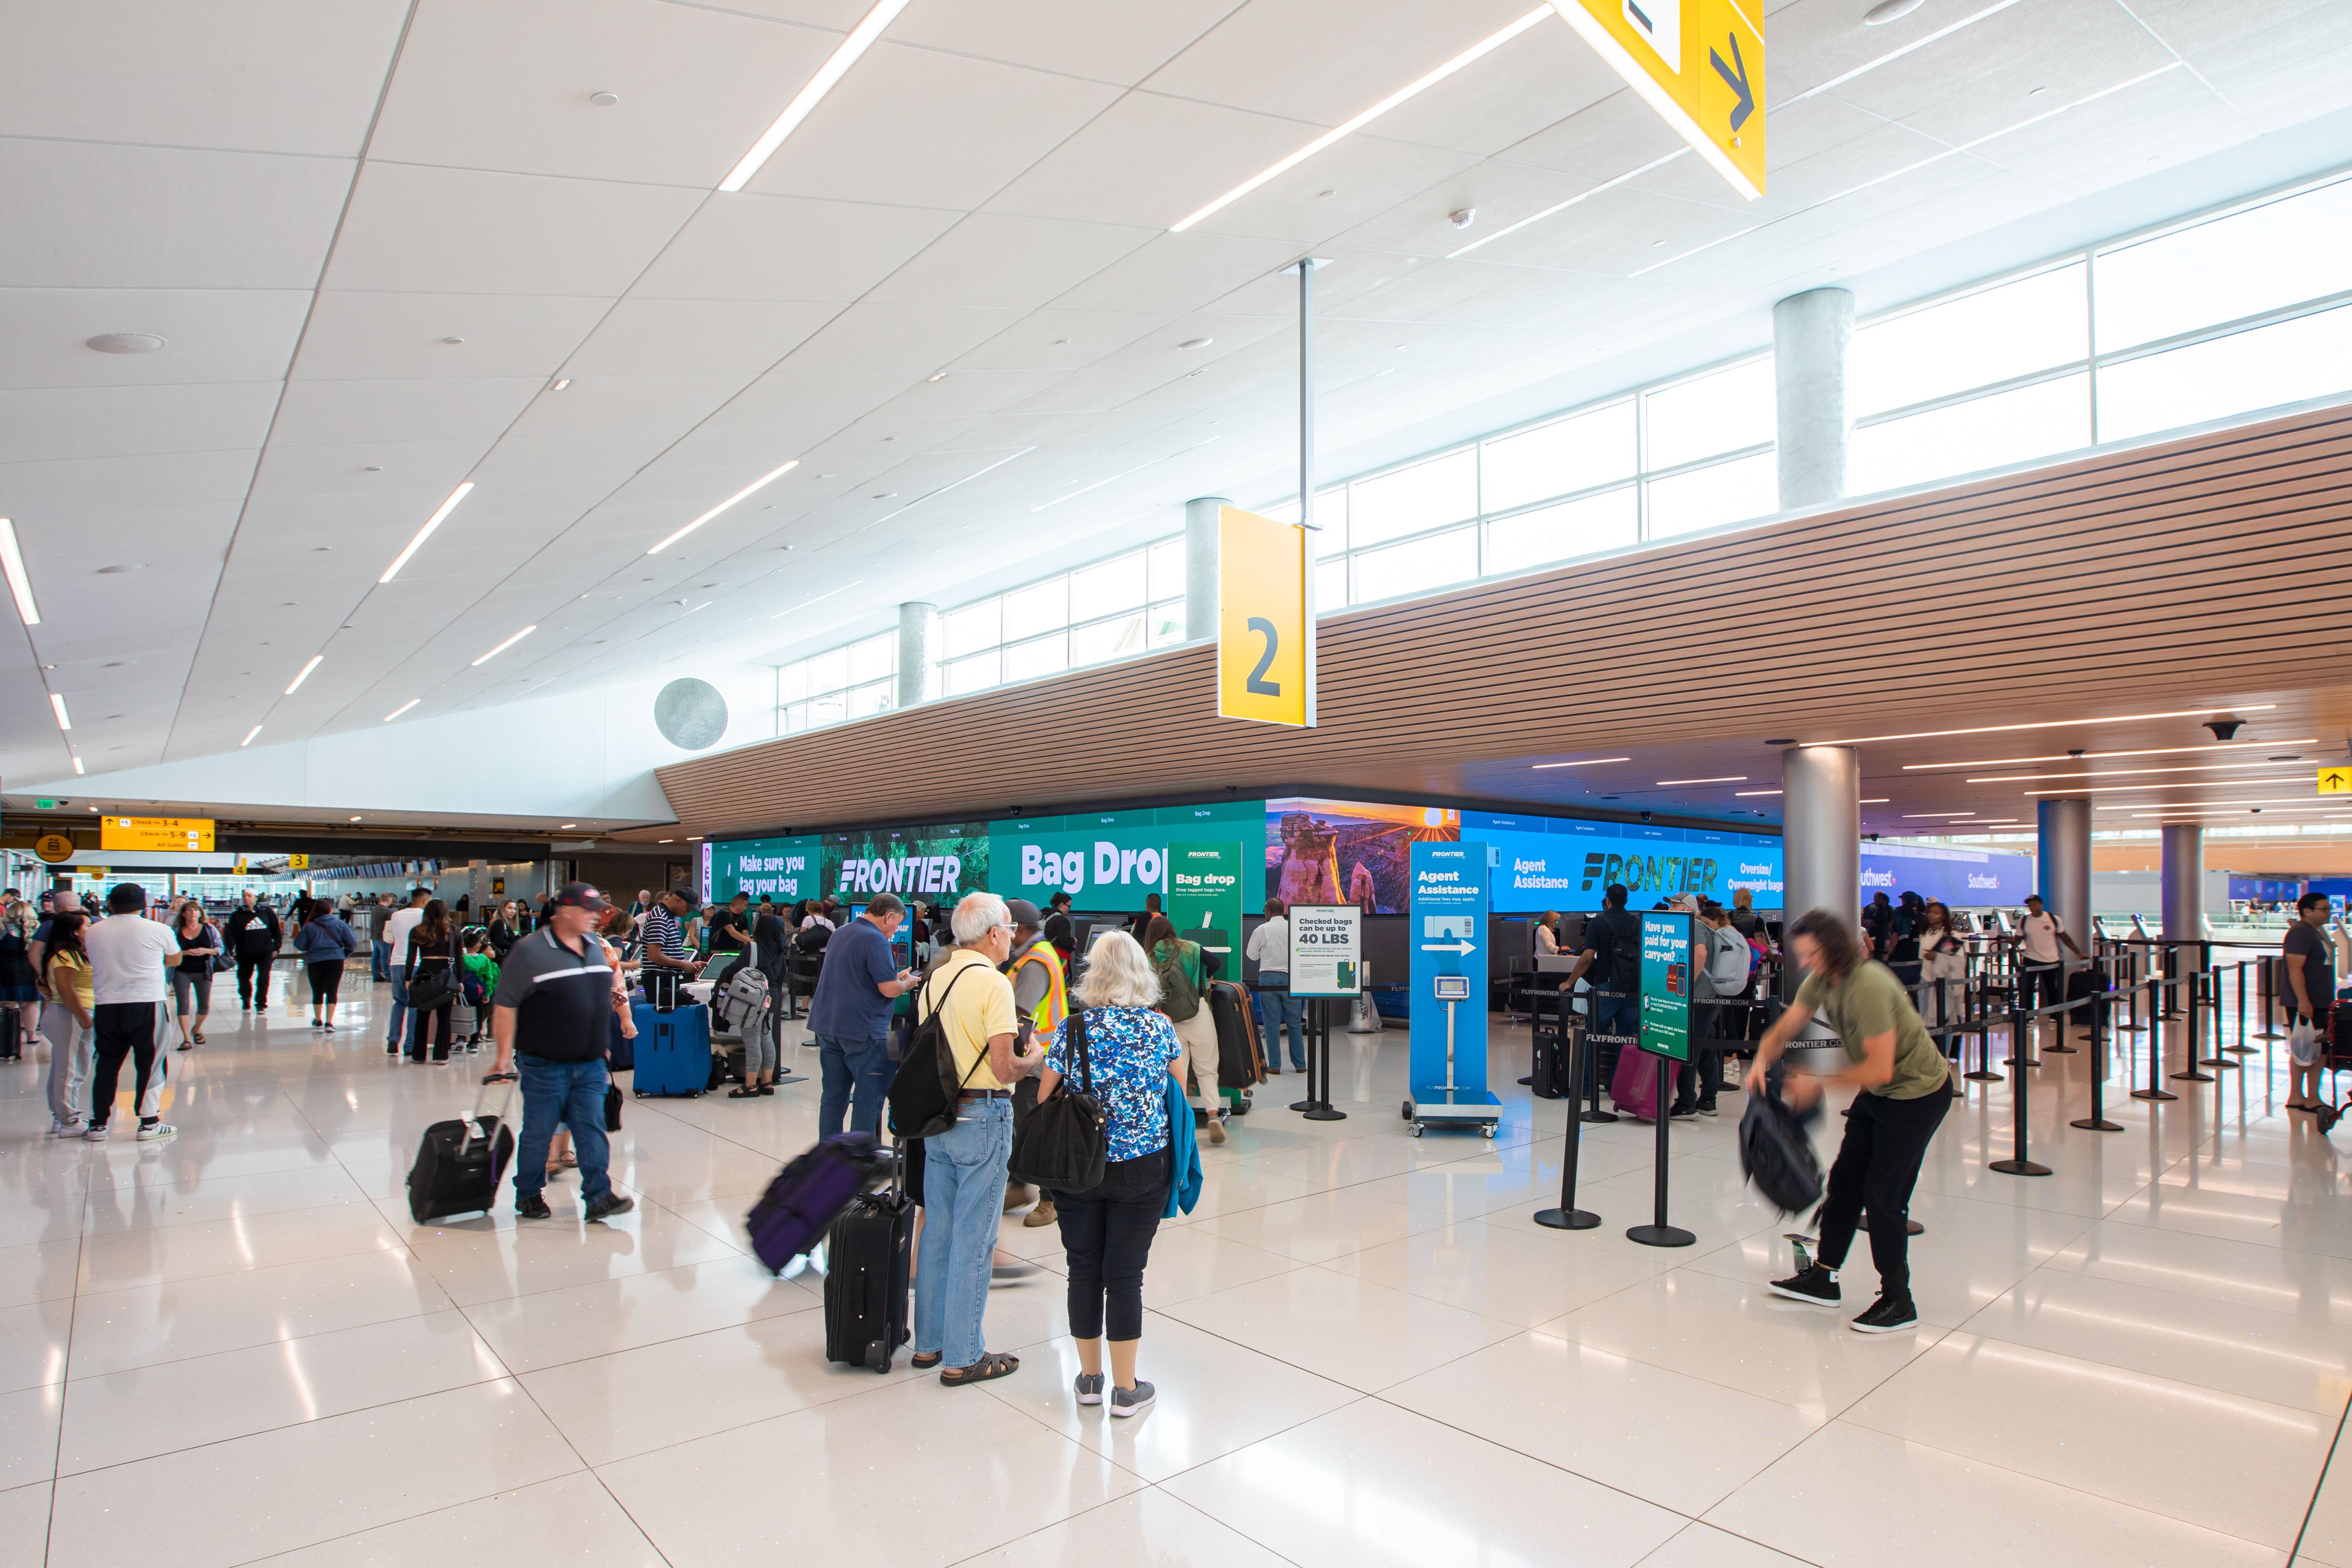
<point>1131,1051</point>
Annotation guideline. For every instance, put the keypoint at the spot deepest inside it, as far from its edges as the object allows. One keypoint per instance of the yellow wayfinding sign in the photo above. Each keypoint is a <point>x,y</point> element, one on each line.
<point>1699,63</point>
<point>54,848</point>
<point>2335,780</point>
<point>1265,621</point>
<point>118,833</point>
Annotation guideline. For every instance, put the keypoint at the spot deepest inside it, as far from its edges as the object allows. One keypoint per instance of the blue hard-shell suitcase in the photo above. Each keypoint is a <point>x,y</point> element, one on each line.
<point>673,1051</point>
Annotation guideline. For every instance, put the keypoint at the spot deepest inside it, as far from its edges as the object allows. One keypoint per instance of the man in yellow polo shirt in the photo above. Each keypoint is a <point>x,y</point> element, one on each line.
<point>963,1168</point>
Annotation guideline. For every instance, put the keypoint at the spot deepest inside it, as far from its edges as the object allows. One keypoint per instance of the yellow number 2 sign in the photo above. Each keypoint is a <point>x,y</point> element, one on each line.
<point>1265,621</point>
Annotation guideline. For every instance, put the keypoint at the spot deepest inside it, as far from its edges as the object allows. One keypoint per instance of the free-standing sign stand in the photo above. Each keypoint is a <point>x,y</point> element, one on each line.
<point>1447,916</point>
<point>1327,945</point>
<point>1666,966</point>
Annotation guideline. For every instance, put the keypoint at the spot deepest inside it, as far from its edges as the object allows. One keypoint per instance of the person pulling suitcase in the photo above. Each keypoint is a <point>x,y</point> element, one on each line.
<point>551,1018</point>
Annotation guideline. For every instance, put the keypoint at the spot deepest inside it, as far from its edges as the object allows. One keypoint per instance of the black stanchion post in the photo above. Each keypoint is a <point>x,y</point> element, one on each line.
<point>1592,1113</point>
<point>2209,986</point>
<point>2239,1047</point>
<point>1658,1233</point>
<point>1980,1015</point>
<point>1320,1055</point>
<point>1307,1029</point>
<point>2017,1164</point>
<point>2154,1090</point>
<point>1567,1217</point>
<point>2196,1011</point>
<point>2103,1028</point>
<point>2268,987</point>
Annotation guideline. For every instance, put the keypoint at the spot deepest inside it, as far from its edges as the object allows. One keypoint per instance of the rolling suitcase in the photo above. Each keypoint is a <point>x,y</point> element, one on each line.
<point>866,1293</point>
<point>673,1051</point>
<point>1240,1062</point>
<point>12,1034</point>
<point>808,1194</point>
<point>460,1164</point>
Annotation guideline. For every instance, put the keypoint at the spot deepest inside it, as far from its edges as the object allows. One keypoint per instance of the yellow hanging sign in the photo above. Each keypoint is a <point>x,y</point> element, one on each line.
<point>54,848</point>
<point>1699,63</point>
<point>2335,780</point>
<point>1265,621</point>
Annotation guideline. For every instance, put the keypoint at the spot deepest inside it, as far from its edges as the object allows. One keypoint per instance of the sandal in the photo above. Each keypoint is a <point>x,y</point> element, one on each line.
<point>742,1094</point>
<point>925,1362</point>
<point>198,1037</point>
<point>991,1365</point>
<point>568,1163</point>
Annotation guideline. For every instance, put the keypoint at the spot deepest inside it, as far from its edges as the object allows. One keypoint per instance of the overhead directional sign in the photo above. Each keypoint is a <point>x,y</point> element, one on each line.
<point>1699,63</point>
<point>54,849</point>
<point>2335,780</point>
<point>1265,621</point>
<point>120,833</point>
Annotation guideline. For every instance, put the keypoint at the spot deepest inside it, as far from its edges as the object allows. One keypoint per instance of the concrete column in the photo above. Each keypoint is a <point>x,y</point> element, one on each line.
<point>2184,881</point>
<point>1201,566</point>
<point>920,646</point>
<point>1809,332</point>
<point>1820,833</point>
<point>2064,872</point>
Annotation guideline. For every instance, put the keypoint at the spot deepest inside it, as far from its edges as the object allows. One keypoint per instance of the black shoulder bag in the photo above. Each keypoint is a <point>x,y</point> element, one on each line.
<point>1066,1142</point>
<point>924,1093</point>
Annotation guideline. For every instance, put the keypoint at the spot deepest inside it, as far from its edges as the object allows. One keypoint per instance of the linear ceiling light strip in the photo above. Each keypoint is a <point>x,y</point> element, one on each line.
<point>860,40</point>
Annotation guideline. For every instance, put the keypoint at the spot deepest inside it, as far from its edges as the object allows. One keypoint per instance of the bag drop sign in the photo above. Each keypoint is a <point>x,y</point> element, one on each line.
<point>1110,865</point>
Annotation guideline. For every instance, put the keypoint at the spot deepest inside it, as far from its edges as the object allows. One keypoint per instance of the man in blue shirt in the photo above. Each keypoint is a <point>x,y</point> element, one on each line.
<point>850,1016</point>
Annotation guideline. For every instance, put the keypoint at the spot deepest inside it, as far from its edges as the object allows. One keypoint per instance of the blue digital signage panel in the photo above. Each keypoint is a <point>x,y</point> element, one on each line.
<point>1565,863</point>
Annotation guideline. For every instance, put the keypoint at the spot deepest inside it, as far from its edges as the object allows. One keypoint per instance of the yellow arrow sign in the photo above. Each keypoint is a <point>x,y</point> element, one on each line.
<point>2335,780</point>
<point>1699,63</point>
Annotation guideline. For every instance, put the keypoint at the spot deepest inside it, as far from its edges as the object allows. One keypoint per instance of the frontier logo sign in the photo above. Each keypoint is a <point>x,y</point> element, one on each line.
<point>1654,874</point>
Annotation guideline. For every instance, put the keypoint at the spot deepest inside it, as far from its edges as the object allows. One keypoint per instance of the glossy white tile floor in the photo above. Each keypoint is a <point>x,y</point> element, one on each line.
<point>236,1348</point>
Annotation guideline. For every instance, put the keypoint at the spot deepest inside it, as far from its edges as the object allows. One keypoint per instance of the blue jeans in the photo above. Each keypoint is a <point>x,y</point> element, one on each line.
<point>380,964</point>
<point>857,1079</point>
<point>1289,1018</point>
<point>572,1093</point>
<point>963,1195</point>
<point>400,1015</point>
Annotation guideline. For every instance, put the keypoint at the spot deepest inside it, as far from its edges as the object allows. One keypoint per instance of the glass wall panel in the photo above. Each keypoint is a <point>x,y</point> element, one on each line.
<point>1168,568</point>
<point>875,657</point>
<point>1039,607</point>
<point>2284,252</point>
<point>2310,356</point>
<point>1044,656</point>
<point>1107,640</point>
<point>1417,567</point>
<point>1558,459</point>
<point>1968,438</point>
<point>974,674</point>
<point>1993,335</point>
<point>1427,495</point>
<point>829,671</point>
<point>1167,623</point>
<point>1331,584</point>
<point>1611,520</point>
<point>1724,412</point>
<point>875,698</point>
<point>1109,586</point>
<point>1706,497</point>
<point>975,627</point>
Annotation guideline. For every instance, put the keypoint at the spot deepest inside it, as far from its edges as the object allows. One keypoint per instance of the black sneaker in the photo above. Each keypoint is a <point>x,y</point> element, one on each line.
<point>1816,1287</point>
<point>1705,1107</point>
<point>533,1207</point>
<point>607,1207</point>
<point>1680,1111</point>
<point>1892,1315</point>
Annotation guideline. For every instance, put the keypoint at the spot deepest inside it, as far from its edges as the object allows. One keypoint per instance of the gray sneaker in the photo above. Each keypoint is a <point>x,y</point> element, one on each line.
<point>1090,1388</point>
<point>1132,1401</point>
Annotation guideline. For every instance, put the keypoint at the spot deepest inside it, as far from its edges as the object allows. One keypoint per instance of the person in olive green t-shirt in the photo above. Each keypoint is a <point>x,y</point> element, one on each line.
<point>1906,1090</point>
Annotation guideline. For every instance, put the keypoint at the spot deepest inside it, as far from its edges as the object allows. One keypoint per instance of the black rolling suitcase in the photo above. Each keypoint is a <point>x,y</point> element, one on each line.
<point>12,1034</point>
<point>460,1164</point>
<point>2085,982</point>
<point>866,1270</point>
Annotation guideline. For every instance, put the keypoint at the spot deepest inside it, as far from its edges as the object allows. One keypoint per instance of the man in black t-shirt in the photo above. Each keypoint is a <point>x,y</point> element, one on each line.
<point>552,1019</point>
<point>2310,964</point>
<point>1609,959</point>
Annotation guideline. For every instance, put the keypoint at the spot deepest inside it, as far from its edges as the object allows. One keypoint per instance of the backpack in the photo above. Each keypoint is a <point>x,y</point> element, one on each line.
<point>1741,962</point>
<point>1777,1154</point>
<point>924,1092</point>
<point>1179,994</point>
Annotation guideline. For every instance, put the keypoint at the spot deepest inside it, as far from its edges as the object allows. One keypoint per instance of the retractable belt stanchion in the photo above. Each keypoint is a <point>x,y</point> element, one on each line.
<point>2103,1028</point>
<point>1567,1217</point>
<point>2017,1164</point>
<point>1658,1233</point>
<point>1981,1012</point>
<point>2196,1011</point>
<point>1590,1094</point>
<point>2209,984</point>
<point>2239,1047</point>
<point>2154,1090</point>
<point>2268,973</point>
<point>1317,1106</point>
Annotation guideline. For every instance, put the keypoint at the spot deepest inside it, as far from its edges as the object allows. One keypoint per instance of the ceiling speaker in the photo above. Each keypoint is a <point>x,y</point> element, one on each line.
<point>690,714</point>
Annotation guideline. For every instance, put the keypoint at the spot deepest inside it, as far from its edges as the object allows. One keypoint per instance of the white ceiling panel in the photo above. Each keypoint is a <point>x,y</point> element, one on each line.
<point>1121,44</point>
<point>59,487</point>
<point>1003,259</point>
<point>1611,138</point>
<point>506,85</point>
<point>269,76</point>
<point>1539,78</point>
<point>122,421</point>
<point>462,231</point>
<point>919,128</point>
<point>614,403</point>
<point>1616,233</point>
<point>2146,126</point>
<point>682,337</point>
<point>911,338</point>
<point>2278,62</point>
<point>1180,273</point>
<point>614,454</point>
<point>1355,180</point>
<point>346,412</point>
<point>86,215</point>
<point>1277,56</point>
<point>749,247</point>
<point>1061,339</point>
<point>1151,160</point>
<point>2025,61</point>
<point>1422,225</point>
<point>1833,148</point>
<point>367,466</point>
<point>211,334</point>
<point>393,337</point>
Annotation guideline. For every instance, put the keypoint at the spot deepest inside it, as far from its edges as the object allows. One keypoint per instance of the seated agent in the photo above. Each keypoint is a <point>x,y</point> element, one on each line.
<point>1907,1089</point>
<point>552,1015</point>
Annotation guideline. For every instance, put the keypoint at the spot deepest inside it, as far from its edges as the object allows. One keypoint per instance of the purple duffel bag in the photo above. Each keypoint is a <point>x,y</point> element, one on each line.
<point>807,1195</point>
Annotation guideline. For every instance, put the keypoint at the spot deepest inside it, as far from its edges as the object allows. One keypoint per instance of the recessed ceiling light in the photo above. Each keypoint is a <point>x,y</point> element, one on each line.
<point>860,40</point>
<point>306,673</point>
<point>941,376</point>
<point>607,99</point>
<point>1739,794</point>
<point>561,382</point>
<point>77,761</point>
<point>126,342</point>
<point>57,704</point>
<point>2257,768</point>
<point>884,495</point>
<point>665,840</point>
<point>2101,756</point>
<point>2054,724</point>
<point>505,645</point>
<point>1350,127</point>
<point>453,341</point>
<point>249,734</point>
<point>566,827</point>
<point>1873,800</point>
<point>1736,778</point>
<point>372,468</point>
<point>402,709</point>
<point>414,545</point>
<point>126,567</point>
<point>1196,342</point>
<point>1583,763</point>
<point>747,489</point>
<point>19,585</point>
<point>355,819</point>
<point>1888,11</point>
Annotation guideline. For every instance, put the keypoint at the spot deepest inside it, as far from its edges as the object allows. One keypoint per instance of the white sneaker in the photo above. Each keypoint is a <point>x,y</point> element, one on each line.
<point>95,1133</point>
<point>151,1131</point>
<point>65,1129</point>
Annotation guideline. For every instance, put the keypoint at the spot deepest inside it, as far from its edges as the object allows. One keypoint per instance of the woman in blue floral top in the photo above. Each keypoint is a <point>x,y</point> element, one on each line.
<point>1108,1229</point>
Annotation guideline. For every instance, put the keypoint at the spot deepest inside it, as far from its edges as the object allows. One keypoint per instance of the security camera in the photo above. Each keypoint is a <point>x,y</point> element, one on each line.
<point>1872,837</point>
<point>1463,218</point>
<point>1645,816</point>
<point>2225,729</point>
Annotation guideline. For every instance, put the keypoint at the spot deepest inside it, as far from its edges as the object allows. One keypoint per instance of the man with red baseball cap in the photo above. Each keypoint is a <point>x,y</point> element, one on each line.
<point>556,990</point>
